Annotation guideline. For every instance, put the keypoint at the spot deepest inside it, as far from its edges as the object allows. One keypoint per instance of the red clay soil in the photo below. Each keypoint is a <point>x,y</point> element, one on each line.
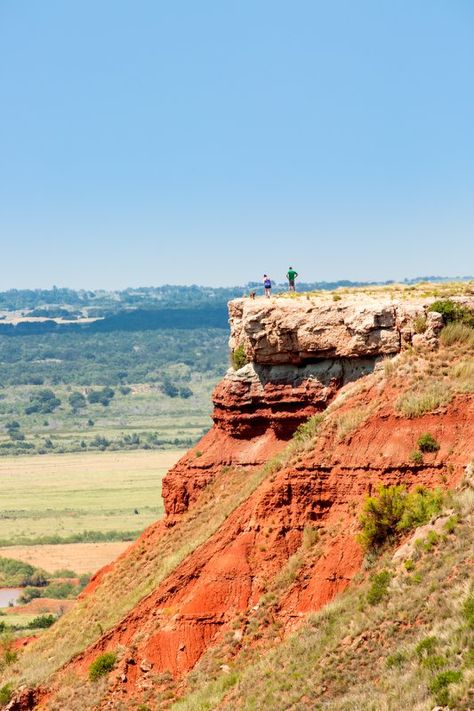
<point>21,642</point>
<point>170,629</point>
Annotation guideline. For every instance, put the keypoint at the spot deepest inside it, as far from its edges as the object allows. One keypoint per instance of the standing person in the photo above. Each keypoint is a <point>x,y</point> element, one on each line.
<point>267,285</point>
<point>291,276</point>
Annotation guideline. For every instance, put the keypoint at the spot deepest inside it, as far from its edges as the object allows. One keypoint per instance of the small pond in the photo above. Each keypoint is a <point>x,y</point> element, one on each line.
<point>9,595</point>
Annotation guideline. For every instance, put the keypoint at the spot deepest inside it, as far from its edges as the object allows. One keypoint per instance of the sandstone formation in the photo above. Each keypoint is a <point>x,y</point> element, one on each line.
<point>307,328</point>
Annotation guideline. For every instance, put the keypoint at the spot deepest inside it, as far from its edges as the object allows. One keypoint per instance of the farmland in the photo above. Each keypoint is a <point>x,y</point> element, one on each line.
<point>57,498</point>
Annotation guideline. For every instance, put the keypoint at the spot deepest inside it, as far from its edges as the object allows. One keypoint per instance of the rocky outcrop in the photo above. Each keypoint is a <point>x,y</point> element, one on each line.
<point>250,400</point>
<point>308,328</point>
<point>256,410</point>
<point>303,350</point>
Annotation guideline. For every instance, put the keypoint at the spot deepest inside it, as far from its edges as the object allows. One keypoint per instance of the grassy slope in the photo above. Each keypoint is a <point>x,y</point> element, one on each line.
<point>354,655</point>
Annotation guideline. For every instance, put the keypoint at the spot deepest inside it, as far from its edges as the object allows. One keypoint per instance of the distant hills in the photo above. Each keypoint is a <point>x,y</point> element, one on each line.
<point>38,311</point>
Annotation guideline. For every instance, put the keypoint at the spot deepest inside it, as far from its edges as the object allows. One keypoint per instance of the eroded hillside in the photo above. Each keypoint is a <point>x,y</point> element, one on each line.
<point>328,402</point>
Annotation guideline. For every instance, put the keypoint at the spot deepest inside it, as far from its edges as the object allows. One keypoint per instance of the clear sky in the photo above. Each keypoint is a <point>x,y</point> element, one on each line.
<point>145,142</point>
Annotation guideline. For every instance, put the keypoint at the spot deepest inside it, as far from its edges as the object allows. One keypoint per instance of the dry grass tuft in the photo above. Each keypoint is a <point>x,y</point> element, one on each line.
<point>424,397</point>
<point>457,332</point>
<point>349,421</point>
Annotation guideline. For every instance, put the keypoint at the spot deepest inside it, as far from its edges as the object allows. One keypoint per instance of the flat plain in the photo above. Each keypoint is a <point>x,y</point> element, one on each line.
<point>79,557</point>
<point>64,495</point>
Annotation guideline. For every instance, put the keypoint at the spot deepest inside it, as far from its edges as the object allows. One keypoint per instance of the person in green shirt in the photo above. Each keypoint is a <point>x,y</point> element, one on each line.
<point>291,276</point>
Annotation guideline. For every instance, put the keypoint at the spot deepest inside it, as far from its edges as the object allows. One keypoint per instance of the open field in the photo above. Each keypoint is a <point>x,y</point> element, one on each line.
<point>65,495</point>
<point>79,557</point>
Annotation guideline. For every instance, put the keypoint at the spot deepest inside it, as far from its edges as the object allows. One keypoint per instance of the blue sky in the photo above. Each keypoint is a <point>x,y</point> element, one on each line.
<point>207,142</point>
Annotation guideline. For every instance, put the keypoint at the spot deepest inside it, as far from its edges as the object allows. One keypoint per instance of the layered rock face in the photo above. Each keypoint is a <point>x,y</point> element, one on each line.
<point>304,329</point>
<point>250,400</point>
<point>302,351</point>
<point>256,410</point>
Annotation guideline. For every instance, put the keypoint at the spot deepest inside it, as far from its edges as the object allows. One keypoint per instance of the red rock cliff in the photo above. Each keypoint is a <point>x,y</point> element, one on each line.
<point>305,357</point>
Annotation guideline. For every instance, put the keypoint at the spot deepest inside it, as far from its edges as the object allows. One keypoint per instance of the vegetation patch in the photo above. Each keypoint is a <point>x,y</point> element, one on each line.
<point>356,655</point>
<point>102,665</point>
<point>468,609</point>
<point>349,421</point>
<point>239,357</point>
<point>427,443</point>
<point>15,573</point>
<point>419,324</point>
<point>379,587</point>
<point>416,457</point>
<point>457,332</point>
<point>307,431</point>
<point>463,375</point>
<point>453,312</point>
<point>439,685</point>
<point>424,397</point>
<point>394,510</point>
<point>6,693</point>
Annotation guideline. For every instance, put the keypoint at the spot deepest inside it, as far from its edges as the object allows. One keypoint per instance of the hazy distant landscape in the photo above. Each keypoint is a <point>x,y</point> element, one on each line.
<point>125,370</point>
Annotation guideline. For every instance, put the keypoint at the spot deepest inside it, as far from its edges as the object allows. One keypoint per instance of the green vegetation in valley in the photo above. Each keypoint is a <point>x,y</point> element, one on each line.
<point>113,391</point>
<point>16,573</point>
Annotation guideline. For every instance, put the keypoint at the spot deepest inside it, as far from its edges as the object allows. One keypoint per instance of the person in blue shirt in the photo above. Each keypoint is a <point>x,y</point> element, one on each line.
<point>267,285</point>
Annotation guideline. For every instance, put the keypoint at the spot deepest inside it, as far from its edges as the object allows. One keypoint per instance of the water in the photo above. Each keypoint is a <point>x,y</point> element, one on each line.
<point>8,595</point>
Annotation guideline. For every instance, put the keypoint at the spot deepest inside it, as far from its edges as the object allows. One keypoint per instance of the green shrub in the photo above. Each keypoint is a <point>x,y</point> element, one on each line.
<point>452,312</point>
<point>379,587</point>
<point>433,663</point>
<point>420,505</point>
<point>427,443</point>
<point>42,622</point>
<point>381,515</point>
<point>394,510</point>
<point>439,685</point>
<point>239,357</point>
<point>416,457</point>
<point>6,693</point>
<point>102,665</point>
<point>426,647</point>
<point>396,661</point>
